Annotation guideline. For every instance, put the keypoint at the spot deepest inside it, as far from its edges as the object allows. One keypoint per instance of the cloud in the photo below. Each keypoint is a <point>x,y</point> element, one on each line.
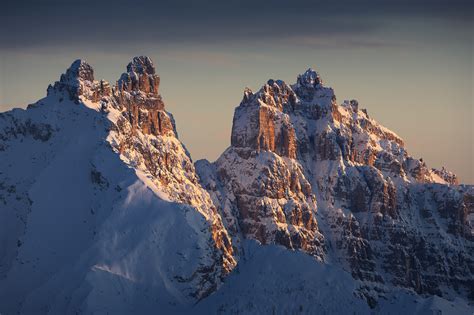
<point>31,24</point>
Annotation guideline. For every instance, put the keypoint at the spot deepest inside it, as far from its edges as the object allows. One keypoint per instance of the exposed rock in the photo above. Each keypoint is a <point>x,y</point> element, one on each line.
<point>268,128</point>
<point>79,81</point>
<point>274,203</point>
<point>137,92</point>
<point>447,176</point>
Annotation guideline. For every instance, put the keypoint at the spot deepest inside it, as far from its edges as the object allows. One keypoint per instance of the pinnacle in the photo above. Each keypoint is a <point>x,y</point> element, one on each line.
<point>80,69</point>
<point>141,65</point>
<point>310,79</point>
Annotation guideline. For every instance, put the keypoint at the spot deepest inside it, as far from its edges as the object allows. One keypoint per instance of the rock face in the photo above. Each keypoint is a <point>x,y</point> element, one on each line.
<point>260,185</point>
<point>269,129</point>
<point>137,91</point>
<point>307,173</point>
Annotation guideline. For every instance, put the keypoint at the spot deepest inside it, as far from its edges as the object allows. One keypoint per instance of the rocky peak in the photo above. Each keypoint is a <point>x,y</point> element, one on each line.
<point>78,78</point>
<point>248,94</point>
<point>142,65</point>
<point>260,122</point>
<point>140,77</point>
<point>293,146</point>
<point>79,69</point>
<point>137,92</point>
<point>309,79</point>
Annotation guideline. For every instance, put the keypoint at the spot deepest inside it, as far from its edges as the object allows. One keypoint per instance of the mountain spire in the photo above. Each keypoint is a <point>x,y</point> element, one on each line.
<point>310,79</point>
<point>77,77</point>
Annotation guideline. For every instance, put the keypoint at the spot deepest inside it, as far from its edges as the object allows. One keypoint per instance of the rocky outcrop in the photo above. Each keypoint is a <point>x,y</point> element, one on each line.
<point>79,81</point>
<point>447,176</point>
<point>137,91</point>
<point>265,126</point>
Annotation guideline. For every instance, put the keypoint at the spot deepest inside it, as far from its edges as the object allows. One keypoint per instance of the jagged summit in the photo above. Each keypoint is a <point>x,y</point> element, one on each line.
<point>261,121</point>
<point>79,69</point>
<point>77,80</point>
<point>310,174</point>
<point>307,91</point>
<point>141,64</point>
<point>310,79</point>
<point>140,77</point>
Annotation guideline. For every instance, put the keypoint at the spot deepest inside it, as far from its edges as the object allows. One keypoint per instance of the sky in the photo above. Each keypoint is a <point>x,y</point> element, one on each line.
<point>410,63</point>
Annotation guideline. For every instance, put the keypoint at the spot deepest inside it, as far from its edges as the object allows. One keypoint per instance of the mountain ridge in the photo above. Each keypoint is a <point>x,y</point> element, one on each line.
<point>368,189</point>
<point>302,171</point>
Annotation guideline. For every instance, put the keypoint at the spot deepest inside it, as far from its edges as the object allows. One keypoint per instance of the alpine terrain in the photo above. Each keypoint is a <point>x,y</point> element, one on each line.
<point>314,208</point>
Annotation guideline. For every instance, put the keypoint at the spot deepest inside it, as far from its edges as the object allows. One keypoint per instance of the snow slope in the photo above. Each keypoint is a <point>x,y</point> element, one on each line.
<point>82,231</point>
<point>274,280</point>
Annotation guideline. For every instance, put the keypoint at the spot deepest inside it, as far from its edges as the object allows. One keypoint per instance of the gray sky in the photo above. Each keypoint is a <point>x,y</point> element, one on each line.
<point>410,63</point>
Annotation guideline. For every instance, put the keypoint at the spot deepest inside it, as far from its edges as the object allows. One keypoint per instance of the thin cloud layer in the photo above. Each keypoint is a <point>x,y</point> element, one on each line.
<point>56,23</point>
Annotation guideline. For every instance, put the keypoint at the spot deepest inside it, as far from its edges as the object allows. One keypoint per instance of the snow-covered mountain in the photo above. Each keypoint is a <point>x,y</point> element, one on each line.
<point>381,214</point>
<point>98,195</point>
<point>102,209</point>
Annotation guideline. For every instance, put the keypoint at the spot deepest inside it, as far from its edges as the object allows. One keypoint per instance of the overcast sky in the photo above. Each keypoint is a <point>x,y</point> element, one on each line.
<point>410,63</point>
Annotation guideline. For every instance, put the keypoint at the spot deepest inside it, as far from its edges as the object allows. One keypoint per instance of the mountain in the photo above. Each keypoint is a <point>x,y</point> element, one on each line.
<point>312,175</point>
<point>99,195</point>
<point>315,207</point>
